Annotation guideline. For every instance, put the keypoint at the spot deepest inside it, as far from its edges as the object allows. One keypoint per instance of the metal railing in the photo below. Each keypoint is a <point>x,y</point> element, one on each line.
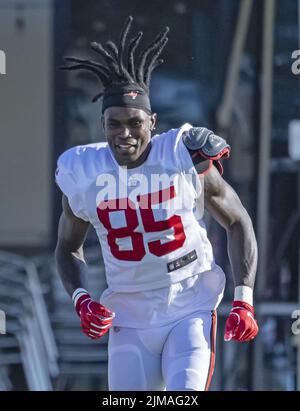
<point>82,362</point>
<point>29,341</point>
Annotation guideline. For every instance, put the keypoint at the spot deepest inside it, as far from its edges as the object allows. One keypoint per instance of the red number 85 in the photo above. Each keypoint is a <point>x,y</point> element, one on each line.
<point>150,225</point>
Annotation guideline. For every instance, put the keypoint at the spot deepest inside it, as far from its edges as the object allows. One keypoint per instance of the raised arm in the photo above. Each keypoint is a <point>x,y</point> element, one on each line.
<point>224,205</point>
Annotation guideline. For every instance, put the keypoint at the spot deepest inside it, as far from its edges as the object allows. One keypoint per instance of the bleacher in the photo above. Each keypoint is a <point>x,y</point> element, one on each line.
<point>28,351</point>
<point>43,341</point>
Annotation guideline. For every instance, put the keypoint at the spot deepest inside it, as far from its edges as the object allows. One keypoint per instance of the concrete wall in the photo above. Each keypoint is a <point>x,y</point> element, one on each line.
<point>25,123</point>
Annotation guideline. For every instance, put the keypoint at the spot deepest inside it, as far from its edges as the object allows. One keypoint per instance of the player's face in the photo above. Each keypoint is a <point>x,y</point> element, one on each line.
<point>128,133</point>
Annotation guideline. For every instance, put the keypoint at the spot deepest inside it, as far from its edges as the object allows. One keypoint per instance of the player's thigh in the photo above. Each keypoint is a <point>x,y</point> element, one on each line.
<point>131,365</point>
<point>188,355</point>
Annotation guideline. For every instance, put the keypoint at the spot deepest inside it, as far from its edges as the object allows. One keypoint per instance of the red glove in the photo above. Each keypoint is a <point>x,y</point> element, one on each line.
<point>95,318</point>
<point>241,325</point>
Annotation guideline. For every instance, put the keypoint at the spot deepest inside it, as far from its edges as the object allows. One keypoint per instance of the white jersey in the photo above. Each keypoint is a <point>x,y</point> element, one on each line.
<point>148,219</point>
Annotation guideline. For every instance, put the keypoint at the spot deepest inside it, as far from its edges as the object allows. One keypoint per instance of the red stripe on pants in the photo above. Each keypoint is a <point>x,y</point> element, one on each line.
<point>212,349</point>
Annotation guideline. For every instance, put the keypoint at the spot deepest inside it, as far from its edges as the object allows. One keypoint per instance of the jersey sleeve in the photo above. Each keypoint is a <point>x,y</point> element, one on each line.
<point>69,178</point>
<point>185,161</point>
<point>172,150</point>
<point>179,150</point>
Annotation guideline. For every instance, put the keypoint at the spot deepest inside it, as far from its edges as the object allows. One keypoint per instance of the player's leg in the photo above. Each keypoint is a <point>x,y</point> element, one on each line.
<point>132,364</point>
<point>188,355</point>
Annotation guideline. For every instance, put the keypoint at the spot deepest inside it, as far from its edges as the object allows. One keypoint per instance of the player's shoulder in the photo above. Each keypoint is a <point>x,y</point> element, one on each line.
<point>82,151</point>
<point>171,136</point>
<point>75,157</point>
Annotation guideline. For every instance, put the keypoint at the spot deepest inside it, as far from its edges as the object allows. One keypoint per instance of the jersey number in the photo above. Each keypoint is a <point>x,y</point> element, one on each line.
<point>150,225</point>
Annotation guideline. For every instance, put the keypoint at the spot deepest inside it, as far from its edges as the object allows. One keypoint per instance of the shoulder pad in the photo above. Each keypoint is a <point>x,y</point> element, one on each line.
<point>203,144</point>
<point>196,137</point>
<point>204,140</point>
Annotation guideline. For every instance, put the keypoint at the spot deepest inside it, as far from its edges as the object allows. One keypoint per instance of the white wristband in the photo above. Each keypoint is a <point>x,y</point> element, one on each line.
<point>243,293</point>
<point>77,294</point>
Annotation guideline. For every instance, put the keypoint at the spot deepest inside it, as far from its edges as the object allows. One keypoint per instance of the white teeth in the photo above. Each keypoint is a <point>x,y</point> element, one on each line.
<point>127,147</point>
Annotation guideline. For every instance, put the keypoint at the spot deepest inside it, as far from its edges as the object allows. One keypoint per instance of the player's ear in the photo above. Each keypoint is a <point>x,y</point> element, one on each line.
<point>153,118</point>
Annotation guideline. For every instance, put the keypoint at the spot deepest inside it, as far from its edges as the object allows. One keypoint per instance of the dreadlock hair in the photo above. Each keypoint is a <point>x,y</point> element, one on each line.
<point>125,78</point>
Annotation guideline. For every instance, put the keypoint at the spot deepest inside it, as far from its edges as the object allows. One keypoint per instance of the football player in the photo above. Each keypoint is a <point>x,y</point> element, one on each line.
<point>145,198</point>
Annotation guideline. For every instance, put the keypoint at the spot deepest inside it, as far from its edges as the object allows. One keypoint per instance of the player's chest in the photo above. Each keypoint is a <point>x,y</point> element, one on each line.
<point>140,199</point>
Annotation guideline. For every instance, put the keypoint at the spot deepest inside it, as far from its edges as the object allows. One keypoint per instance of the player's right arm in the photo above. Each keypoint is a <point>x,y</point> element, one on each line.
<point>95,318</point>
<point>69,255</point>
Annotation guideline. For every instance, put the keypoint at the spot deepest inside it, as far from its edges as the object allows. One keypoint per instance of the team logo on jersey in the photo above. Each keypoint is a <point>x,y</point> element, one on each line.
<point>132,94</point>
<point>182,261</point>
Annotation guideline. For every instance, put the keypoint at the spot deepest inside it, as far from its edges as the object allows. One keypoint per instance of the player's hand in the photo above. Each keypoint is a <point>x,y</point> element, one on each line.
<point>94,317</point>
<point>241,324</point>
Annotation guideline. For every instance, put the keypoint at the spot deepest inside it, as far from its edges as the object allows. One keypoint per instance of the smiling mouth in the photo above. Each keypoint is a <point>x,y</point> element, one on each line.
<point>126,145</point>
<point>126,148</point>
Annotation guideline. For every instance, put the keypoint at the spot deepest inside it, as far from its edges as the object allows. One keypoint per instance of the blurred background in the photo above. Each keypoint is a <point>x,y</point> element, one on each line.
<point>228,67</point>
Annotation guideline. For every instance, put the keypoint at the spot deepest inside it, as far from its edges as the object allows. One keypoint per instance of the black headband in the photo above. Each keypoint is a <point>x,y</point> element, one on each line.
<point>129,95</point>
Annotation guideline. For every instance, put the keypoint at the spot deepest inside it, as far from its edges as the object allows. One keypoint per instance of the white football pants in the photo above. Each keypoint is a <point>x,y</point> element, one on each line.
<point>176,357</point>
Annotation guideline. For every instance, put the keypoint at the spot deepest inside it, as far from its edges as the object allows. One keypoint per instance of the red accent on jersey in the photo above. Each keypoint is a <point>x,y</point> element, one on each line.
<point>157,247</point>
<point>138,250</point>
<point>150,225</point>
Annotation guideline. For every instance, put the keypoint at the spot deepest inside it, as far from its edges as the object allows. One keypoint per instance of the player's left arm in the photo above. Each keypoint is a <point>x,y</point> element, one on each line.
<point>224,205</point>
